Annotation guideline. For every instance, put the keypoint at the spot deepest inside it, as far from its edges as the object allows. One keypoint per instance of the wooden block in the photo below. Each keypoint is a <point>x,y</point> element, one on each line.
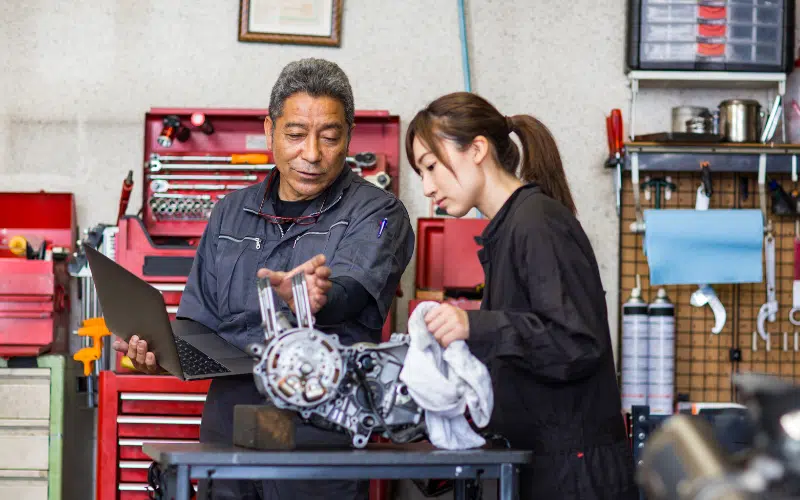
<point>263,427</point>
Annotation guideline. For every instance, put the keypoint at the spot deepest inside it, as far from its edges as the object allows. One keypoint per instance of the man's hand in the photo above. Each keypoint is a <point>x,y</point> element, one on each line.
<point>136,350</point>
<point>447,323</point>
<point>317,279</point>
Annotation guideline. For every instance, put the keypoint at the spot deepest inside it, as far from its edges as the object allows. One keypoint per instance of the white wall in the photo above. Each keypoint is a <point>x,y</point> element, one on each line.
<point>78,80</point>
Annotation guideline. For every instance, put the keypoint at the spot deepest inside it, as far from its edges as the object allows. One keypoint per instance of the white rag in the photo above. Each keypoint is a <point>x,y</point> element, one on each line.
<point>445,384</point>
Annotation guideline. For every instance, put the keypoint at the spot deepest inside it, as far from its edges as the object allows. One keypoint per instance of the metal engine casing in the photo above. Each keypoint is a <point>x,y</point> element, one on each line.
<point>302,369</point>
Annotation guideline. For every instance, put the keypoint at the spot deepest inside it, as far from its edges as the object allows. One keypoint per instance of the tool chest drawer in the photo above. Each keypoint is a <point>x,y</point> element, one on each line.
<point>146,426</point>
<point>454,239</point>
<point>154,403</point>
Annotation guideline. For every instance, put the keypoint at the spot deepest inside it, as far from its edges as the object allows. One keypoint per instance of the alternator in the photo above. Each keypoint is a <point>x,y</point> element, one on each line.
<point>353,388</point>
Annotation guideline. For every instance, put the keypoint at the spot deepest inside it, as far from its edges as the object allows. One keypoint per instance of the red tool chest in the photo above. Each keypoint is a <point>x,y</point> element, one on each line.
<point>133,409</point>
<point>447,254</point>
<point>34,302</point>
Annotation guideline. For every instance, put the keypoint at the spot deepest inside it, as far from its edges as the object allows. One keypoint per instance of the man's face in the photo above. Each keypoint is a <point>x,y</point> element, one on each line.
<point>309,144</point>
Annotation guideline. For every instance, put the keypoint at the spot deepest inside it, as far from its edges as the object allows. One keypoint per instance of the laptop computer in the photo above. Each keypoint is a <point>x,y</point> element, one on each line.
<point>184,348</point>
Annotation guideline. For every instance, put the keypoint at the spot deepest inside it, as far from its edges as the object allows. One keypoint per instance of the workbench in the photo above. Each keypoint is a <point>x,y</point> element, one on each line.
<point>182,462</point>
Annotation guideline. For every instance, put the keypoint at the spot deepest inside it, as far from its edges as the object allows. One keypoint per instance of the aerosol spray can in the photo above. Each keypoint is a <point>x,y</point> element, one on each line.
<point>661,368</point>
<point>635,325</point>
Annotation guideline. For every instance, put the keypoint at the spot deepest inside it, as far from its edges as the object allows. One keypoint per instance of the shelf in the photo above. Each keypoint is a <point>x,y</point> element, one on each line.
<point>722,157</point>
<point>706,79</point>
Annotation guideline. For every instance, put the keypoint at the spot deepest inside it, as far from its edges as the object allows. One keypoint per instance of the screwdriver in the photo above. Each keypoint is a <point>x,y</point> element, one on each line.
<point>235,159</point>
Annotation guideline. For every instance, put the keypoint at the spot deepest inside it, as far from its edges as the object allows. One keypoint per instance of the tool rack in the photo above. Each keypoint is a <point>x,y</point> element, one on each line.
<point>225,149</point>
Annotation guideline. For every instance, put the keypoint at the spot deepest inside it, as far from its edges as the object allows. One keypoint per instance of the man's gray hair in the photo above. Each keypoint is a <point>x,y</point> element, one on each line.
<point>316,77</point>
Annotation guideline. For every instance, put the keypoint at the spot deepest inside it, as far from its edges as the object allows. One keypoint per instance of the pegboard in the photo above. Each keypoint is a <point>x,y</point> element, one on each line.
<point>703,365</point>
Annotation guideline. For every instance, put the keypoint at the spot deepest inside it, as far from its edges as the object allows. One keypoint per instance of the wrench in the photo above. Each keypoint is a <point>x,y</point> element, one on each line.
<point>160,186</point>
<point>770,307</point>
<point>235,159</point>
<point>171,177</point>
<point>363,160</point>
<point>178,196</point>
<point>796,283</point>
<point>157,166</point>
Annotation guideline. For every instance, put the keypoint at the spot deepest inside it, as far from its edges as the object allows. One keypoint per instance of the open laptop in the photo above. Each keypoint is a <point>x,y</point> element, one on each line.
<point>186,349</point>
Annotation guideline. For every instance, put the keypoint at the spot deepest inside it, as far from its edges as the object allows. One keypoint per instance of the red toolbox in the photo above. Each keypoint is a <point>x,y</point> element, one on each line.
<point>34,302</point>
<point>447,254</point>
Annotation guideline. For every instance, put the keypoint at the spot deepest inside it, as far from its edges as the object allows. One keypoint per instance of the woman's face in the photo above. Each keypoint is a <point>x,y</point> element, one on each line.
<point>455,191</point>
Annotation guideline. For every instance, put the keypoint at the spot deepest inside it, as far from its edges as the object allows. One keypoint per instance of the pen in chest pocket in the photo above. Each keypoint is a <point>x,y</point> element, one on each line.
<point>383,226</point>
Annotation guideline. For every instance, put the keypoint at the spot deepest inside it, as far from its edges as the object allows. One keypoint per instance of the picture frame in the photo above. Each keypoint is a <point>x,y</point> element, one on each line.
<point>301,22</point>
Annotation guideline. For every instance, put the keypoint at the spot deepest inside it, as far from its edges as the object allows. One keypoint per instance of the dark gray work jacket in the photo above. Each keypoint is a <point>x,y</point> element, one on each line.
<point>221,290</point>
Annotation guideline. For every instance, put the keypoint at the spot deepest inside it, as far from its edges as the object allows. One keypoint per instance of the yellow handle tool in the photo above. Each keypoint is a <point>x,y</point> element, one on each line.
<point>96,329</point>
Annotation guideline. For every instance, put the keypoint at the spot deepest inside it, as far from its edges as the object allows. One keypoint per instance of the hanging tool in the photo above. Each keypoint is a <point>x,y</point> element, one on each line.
<point>127,187</point>
<point>164,186</point>
<point>234,159</point>
<point>769,309</point>
<point>614,133</point>
<point>200,120</point>
<point>170,177</point>
<point>657,183</point>
<point>157,166</point>
<point>363,160</point>
<point>705,295</point>
<point>796,282</point>
<point>782,202</point>
<point>172,129</point>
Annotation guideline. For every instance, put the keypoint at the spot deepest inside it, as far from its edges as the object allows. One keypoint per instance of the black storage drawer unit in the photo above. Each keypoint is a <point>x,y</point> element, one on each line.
<point>711,35</point>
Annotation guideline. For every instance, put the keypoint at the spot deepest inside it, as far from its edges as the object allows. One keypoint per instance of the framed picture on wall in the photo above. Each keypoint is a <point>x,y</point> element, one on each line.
<point>304,22</point>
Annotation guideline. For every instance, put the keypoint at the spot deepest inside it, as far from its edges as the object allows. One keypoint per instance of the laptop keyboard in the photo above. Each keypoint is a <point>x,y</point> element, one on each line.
<point>194,362</point>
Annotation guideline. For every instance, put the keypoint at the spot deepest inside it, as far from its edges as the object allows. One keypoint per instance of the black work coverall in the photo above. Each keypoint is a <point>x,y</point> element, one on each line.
<point>221,293</point>
<point>543,332</point>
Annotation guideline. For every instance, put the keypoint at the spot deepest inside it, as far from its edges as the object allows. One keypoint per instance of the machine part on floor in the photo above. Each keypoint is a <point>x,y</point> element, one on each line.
<point>661,349</point>
<point>157,166</point>
<point>684,460</point>
<point>200,120</point>
<point>354,389</point>
<point>796,277</point>
<point>364,160</point>
<point>382,180</point>
<point>769,309</point>
<point>160,186</point>
<point>179,177</point>
<point>705,295</point>
<point>127,187</point>
<point>234,159</point>
<point>635,328</point>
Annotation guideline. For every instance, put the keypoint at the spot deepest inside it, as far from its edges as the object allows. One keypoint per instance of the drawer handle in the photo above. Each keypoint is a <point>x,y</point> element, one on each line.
<point>172,309</point>
<point>133,487</point>
<point>158,420</point>
<point>141,442</point>
<point>168,287</point>
<point>131,464</point>
<point>161,396</point>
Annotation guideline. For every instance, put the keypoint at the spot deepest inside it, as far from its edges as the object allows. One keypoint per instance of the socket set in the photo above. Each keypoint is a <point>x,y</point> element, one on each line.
<point>182,207</point>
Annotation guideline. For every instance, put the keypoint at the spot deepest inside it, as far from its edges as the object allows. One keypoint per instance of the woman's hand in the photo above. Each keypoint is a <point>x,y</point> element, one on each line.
<point>448,323</point>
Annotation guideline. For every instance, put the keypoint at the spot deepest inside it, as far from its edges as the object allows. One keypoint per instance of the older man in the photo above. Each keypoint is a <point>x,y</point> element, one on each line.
<point>311,215</point>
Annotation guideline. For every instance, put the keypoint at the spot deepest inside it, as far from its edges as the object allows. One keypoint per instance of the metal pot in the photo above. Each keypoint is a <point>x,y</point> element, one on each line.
<point>682,114</point>
<point>740,120</point>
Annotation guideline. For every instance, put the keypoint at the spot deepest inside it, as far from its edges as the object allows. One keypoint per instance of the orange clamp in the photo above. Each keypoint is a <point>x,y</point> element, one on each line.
<point>96,329</point>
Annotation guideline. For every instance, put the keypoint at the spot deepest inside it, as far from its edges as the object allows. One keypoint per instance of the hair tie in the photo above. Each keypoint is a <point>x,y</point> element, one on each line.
<point>509,124</point>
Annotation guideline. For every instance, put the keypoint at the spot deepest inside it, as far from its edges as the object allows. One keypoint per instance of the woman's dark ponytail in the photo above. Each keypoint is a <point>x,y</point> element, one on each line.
<point>541,161</point>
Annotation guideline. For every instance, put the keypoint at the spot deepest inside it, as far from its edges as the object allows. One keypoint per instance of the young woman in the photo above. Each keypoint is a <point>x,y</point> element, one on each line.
<point>542,329</point>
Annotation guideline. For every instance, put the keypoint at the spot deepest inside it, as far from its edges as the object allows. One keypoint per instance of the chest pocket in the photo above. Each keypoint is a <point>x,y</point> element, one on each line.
<point>316,241</point>
<point>236,266</point>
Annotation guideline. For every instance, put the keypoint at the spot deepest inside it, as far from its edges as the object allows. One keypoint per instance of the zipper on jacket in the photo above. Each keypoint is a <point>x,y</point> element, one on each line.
<point>239,240</point>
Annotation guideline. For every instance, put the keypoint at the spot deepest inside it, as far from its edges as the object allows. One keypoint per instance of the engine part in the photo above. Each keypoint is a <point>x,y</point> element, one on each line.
<point>353,389</point>
<point>661,348</point>
<point>635,330</point>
